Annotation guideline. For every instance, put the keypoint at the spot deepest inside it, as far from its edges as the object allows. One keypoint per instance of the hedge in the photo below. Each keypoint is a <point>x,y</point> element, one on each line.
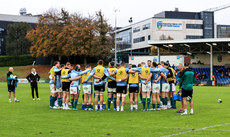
<point>21,60</point>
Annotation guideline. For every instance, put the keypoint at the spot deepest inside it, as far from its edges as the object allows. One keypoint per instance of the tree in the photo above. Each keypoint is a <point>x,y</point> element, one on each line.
<point>63,34</point>
<point>104,38</point>
<point>16,43</point>
<point>44,36</point>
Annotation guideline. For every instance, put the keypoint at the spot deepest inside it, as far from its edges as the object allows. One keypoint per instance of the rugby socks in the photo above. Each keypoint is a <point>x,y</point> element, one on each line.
<point>109,102</point>
<point>174,103</point>
<point>59,102</point>
<point>101,107</point>
<point>72,101</point>
<point>131,106</point>
<point>161,98</point>
<point>75,103</point>
<point>52,101</point>
<point>141,96</point>
<point>122,108</point>
<point>114,103</point>
<point>117,108</point>
<point>158,105</point>
<point>144,102</point>
<point>154,106</point>
<point>148,102</point>
<point>96,107</point>
<point>191,111</point>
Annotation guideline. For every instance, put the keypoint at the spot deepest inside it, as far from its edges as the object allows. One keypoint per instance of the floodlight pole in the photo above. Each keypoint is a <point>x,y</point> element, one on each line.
<point>158,54</point>
<point>211,62</point>
<point>131,21</point>
<point>115,41</point>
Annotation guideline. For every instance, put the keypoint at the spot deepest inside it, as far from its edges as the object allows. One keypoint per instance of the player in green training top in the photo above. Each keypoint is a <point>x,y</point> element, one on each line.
<point>186,79</point>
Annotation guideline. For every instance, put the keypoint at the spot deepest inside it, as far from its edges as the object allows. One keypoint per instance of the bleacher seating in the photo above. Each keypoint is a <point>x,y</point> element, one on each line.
<point>220,78</point>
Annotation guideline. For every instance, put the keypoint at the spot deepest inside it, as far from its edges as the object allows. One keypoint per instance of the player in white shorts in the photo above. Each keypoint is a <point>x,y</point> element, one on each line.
<point>164,85</point>
<point>87,88</point>
<point>155,78</point>
<point>74,76</point>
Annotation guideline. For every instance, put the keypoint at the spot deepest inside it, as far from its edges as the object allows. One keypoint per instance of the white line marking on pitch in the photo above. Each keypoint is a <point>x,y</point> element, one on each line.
<point>204,128</point>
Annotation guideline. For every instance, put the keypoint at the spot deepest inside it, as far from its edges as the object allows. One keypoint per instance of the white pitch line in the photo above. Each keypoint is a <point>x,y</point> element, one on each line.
<point>204,128</point>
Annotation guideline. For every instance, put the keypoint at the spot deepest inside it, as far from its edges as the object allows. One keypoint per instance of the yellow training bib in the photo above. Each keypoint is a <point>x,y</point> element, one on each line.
<point>85,76</point>
<point>172,78</point>
<point>52,73</point>
<point>133,78</point>
<point>64,72</point>
<point>112,70</point>
<point>99,71</point>
<point>121,73</point>
<point>145,72</point>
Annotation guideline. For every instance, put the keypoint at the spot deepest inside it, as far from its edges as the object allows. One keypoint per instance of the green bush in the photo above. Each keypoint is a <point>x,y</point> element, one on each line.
<point>16,60</point>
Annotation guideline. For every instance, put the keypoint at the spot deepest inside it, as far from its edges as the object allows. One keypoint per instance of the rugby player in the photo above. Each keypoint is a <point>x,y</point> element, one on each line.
<point>145,84</point>
<point>133,82</point>
<point>155,76</point>
<point>172,87</point>
<point>87,89</point>
<point>121,79</point>
<point>12,84</point>
<point>186,78</point>
<point>181,68</point>
<point>99,87</point>
<point>66,85</point>
<point>111,86</point>
<point>74,90</point>
<point>164,85</point>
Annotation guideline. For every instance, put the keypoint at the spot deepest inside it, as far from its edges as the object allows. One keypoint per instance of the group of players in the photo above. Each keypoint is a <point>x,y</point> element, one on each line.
<point>152,80</point>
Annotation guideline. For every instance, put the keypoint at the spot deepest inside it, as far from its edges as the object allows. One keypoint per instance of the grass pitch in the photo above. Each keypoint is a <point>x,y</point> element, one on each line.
<point>34,118</point>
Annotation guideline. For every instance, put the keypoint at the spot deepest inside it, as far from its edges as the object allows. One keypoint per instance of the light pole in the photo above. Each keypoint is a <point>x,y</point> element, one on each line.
<point>131,21</point>
<point>115,11</point>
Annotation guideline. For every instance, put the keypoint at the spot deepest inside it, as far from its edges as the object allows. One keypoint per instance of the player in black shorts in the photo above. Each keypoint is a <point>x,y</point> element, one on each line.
<point>11,83</point>
<point>133,82</point>
<point>66,86</point>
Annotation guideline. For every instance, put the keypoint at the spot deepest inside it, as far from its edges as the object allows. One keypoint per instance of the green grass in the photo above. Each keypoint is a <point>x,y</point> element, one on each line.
<point>34,118</point>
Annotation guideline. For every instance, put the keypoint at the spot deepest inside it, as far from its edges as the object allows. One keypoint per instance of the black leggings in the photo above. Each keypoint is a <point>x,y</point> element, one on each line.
<point>34,85</point>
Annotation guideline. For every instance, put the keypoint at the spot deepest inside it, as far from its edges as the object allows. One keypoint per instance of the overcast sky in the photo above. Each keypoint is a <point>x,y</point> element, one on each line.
<point>138,9</point>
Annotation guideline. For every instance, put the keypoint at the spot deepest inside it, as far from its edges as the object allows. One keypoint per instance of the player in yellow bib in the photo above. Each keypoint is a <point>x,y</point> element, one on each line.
<point>133,89</point>
<point>99,72</point>
<point>172,87</point>
<point>121,79</point>
<point>145,84</point>
<point>66,86</point>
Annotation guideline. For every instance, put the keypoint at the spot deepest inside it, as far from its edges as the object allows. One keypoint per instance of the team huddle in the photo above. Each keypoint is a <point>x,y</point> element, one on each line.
<point>153,81</point>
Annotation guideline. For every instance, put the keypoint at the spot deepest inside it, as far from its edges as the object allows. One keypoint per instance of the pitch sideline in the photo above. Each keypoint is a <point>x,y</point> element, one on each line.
<point>196,130</point>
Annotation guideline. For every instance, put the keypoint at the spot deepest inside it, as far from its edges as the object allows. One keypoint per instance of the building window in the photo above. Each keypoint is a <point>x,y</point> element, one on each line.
<point>146,26</point>
<point>149,37</point>
<point>140,39</point>
<point>137,29</point>
<point>193,37</point>
<point>194,26</point>
<point>124,39</point>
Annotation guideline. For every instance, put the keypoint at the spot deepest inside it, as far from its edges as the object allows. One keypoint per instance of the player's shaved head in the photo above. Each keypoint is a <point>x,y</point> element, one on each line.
<point>11,69</point>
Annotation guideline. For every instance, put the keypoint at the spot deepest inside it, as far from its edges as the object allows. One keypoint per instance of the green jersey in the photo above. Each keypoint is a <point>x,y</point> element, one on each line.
<point>186,78</point>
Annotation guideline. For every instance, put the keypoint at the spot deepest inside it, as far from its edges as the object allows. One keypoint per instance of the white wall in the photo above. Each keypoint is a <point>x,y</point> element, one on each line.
<point>172,59</point>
